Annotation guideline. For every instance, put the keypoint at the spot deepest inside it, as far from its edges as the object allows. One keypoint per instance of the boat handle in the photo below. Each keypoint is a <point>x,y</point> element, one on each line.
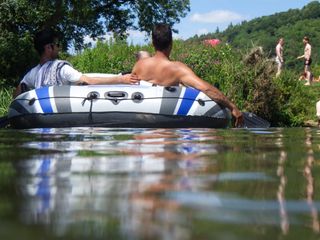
<point>116,94</point>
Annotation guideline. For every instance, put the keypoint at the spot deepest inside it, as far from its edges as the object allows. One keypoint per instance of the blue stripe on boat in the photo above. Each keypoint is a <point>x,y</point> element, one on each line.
<point>187,101</point>
<point>44,99</point>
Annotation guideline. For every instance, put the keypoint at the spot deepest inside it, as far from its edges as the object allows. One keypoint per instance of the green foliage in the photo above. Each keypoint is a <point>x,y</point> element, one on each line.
<point>149,12</point>
<point>107,57</point>
<point>19,20</point>
<point>295,102</point>
<point>16,56</point>
<point>5,99</point>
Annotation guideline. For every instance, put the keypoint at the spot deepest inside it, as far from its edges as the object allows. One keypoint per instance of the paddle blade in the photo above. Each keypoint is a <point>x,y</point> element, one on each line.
<point>253,121</point>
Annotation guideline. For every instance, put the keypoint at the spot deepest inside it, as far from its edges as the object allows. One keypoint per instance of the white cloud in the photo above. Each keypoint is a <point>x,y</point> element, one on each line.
<point>87,39</point>
<point>137,37</point>
<point>176,36</point>
<point>219,16</point>
<point>202,31</point>
<point>136,34</point>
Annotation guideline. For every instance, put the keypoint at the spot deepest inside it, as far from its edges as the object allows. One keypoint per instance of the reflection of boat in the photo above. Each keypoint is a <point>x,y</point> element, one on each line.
<point>116,106</point>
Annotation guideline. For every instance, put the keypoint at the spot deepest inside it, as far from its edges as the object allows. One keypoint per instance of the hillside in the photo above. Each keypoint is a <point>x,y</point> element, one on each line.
<point>264,31</point>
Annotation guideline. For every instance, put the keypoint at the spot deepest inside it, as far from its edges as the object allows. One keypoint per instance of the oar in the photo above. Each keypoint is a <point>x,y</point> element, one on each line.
<point>4,121</point>
<point>251,120</point>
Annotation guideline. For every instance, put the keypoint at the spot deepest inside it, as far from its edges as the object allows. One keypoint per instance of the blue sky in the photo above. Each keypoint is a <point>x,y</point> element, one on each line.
<point>208,15</point>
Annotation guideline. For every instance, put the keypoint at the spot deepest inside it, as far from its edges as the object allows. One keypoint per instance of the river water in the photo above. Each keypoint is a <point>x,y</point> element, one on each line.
<point>101,183</point>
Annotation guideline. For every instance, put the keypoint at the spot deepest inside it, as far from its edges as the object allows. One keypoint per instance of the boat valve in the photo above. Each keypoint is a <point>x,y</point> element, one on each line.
<point>90,97</point>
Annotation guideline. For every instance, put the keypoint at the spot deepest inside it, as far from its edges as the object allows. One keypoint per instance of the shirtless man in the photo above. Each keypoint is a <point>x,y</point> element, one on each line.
<point>279,56</point>
<point>307,59</point>
<point>159,70</point>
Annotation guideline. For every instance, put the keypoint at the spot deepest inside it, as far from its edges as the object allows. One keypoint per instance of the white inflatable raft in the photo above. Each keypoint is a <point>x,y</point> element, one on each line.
<point>139,106</point>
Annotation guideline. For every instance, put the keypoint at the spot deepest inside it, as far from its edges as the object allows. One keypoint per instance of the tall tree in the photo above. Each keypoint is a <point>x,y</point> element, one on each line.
<point>75,19</point>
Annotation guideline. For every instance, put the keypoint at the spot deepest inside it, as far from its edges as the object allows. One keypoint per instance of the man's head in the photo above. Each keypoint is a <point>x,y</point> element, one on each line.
<point>162,37</point>
<point>281,41</point>
<point>46,38</point>
<point>306,40</point>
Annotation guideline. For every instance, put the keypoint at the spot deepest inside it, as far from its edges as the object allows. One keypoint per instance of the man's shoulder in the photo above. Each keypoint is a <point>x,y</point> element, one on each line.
<point>180,66</point>
<point>33,70</point>
<point>141,65</point>
<point>152,63</point>
<point>31,74</point>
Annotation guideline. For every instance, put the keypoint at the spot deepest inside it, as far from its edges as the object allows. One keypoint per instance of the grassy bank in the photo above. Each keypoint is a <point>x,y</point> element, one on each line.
<point>5,99</point>
<point>247,78</point>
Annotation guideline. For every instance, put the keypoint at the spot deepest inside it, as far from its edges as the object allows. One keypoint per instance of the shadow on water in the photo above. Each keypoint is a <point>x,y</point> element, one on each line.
<point>98,183</point>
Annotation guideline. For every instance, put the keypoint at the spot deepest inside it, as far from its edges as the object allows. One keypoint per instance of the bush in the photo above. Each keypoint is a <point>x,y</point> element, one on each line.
<point>109,57</point>
<point>296,102</point>
<point>5,100</point>
<point>16,55</point>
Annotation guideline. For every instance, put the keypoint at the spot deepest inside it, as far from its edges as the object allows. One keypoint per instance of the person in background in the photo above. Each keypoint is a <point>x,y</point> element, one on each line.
<point>142,55</point>
<point>279,56</point>
<point>318,112</point>
<point>307,60</point>
<point>160,70</point>
<point>50,71</point>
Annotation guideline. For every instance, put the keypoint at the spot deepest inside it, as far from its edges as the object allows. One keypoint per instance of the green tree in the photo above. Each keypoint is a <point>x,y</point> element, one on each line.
<point>19,20</point>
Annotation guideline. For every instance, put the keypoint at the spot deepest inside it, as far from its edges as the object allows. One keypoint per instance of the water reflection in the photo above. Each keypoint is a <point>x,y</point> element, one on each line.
<point>281,193</point>
<point>164,183</point>
<point>310,181</point>
<point>98,178</point>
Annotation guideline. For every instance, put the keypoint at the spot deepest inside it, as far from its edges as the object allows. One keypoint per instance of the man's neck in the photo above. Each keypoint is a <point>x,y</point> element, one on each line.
<point>162,54</point>
<point>44,59</point>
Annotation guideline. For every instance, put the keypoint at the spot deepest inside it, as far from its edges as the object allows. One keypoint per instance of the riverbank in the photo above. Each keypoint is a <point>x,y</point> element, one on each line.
<point>248,79</point>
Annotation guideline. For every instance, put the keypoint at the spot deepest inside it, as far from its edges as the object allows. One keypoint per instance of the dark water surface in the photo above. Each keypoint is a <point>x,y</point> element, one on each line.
<point>98,183</point>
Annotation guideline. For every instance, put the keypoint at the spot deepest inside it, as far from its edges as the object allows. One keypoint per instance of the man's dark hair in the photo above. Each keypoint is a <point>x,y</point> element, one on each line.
<point>44,37</point>
<point>161,36</point>
<point>306,38</point>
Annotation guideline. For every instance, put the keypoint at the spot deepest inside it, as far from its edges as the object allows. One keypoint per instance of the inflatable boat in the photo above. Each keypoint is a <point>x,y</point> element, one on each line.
<point>138,106</point>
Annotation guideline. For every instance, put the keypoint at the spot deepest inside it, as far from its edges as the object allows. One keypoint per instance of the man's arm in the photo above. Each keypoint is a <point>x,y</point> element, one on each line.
<point>17,91</point>
<point>119,79</point>
<point>69,74</point>
<point>188,78</point>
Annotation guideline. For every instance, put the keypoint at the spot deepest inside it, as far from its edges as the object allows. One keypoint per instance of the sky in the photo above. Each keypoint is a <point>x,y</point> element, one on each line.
<point>207,15</point>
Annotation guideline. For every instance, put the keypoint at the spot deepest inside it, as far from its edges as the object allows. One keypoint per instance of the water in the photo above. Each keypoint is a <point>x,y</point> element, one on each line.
<point>98,183</point>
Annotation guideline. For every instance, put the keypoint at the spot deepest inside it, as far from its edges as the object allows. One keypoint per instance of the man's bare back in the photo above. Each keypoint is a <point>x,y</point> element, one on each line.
<point>161,71</point>
<point>157,70</point>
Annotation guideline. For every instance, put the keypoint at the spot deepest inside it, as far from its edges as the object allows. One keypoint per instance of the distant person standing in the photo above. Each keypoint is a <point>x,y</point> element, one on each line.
<point>318,112</point>
<point>279,56</point>
<point>142,55</point>
<point>307,59</point>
